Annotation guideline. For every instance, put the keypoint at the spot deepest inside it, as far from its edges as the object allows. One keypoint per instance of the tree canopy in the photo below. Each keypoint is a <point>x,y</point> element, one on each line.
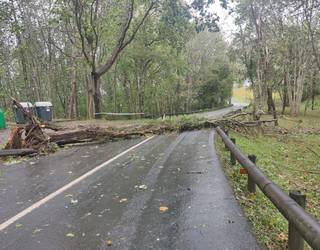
<point>152,56</point>
<point>278,42</point>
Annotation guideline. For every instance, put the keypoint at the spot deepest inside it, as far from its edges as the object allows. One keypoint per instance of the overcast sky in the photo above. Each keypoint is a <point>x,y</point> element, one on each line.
<point>226,22</point>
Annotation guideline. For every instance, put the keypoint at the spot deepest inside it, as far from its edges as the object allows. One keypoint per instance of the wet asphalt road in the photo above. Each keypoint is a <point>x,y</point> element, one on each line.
<point>120,202</point>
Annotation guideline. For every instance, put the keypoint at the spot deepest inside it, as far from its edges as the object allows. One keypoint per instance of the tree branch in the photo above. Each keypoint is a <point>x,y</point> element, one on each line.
<point>121,43</point>
<point>78,16</point>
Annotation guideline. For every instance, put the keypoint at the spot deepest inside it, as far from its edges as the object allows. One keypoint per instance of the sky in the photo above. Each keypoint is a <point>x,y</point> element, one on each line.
<point>226,22</point>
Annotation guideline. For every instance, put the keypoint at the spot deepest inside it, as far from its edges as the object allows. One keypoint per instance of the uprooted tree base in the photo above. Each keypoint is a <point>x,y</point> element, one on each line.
<point>44,138</point>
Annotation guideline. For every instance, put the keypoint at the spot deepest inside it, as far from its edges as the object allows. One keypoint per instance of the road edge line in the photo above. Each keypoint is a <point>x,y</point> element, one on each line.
<point>49,197</point>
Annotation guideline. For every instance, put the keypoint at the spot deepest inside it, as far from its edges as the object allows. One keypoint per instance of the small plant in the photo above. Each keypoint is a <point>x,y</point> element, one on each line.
<point>8,114</point>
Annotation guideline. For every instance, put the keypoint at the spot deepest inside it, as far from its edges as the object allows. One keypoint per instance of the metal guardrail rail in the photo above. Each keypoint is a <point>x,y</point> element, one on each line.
<point>307,226</point>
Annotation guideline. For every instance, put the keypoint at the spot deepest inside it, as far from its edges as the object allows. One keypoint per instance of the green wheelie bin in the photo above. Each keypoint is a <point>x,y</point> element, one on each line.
<point>2,120</point>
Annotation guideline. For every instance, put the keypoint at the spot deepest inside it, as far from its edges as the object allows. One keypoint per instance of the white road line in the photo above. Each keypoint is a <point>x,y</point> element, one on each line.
<point>64,188</point>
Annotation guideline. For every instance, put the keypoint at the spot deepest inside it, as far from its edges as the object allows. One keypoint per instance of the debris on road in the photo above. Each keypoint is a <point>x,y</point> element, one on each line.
<point>143,187</point>
<point>35,137</point>
<point>17,152</point>
<point>36,231</point>
<point>70,235</point>
<point>72,201</point>
<point>194,172</point>
<point>18,225</point>
<point>109,243</point>
<point>123,200</point>
<point>163,209</point>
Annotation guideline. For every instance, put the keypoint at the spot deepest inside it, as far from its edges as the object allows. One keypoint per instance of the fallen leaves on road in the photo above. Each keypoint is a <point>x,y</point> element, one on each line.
<point>142,187</point>
<point>123,200</point>
<point>109,243</point>
<point>37,230</point>
<point>163,209</point>
<point>85,216</point>
<point>70,235</point>
<point>73,201</point>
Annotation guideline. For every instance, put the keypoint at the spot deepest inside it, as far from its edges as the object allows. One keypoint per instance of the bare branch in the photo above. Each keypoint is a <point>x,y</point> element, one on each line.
<point>121,43</point>
<point>78,11</point>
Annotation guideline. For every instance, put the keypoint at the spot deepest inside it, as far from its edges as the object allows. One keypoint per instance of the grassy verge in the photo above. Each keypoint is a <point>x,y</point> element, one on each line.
<point>293,162</point>
<point>245,95</point>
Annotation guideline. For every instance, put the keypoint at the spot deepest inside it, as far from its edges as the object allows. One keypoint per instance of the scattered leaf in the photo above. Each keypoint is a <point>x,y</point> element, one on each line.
<point>163,209</point>
<point>37,230</point>
<point>18,225</point>
<point>123,200</point>
<point>70,235</point>
<point>143,187</point>
<point>109,243</point>
<point>73,201</point>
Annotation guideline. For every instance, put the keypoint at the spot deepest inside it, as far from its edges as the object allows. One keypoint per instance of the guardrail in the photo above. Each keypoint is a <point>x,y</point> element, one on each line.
<point>301,224</point>
<point>99,115</point>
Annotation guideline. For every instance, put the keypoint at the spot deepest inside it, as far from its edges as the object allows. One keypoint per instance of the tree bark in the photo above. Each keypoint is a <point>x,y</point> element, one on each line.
<point>272,106</point>
<point>97,94</point>
<point>313,90</point>
<point>73,100</point>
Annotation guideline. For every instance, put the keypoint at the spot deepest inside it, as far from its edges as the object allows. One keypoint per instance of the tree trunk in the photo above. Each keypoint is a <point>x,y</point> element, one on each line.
<point>269,100</point>
<point>272,105</point>
<point>90,102</point>
<point>114,96</point>
<point>313,90</point>
<point>94,96</point>
<point>73,107</point>
<point>284,91</point>
<point>97,94</point>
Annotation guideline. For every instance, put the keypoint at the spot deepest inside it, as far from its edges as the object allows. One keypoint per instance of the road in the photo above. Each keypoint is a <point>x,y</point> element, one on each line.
<point>221,112</point>
<point>109,197</point>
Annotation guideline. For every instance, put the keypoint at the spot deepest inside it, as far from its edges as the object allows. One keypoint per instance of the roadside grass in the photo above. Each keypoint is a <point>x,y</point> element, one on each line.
<point>292,161</point>
<point>308,119</point>
<point>245,95</point>
<point>293,164</point>
<point>242,95</point>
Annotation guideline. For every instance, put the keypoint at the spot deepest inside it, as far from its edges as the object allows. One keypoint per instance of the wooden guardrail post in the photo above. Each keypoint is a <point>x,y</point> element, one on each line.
<point>301,224</point>
<point>232,157</point>
<point>295,240</point>
<point>227,133</point>
<point>251,184</point>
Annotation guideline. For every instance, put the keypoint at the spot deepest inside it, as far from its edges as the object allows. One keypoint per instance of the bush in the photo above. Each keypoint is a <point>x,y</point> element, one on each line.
<point>8,114</point>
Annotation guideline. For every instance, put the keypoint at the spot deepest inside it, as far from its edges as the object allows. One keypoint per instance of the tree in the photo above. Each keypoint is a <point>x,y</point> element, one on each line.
<point>117,55</point>
<point>273,43</point>
<point>86,16</point>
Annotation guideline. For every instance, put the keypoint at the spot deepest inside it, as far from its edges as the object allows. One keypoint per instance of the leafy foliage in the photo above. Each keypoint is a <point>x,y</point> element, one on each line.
<point>53,50</point>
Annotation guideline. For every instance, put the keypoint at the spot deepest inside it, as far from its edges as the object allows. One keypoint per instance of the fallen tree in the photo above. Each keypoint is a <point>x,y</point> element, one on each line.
<point>43,137</point>
<point>17,152</point>
<point>31,135</point>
